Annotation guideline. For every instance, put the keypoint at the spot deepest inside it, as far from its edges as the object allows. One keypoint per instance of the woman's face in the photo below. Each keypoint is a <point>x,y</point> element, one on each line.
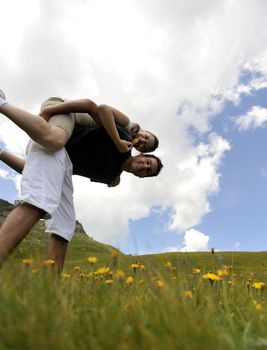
<point>146,141</point>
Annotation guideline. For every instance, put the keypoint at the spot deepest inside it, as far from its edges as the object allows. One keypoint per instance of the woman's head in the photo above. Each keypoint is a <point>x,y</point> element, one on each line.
<point>148,142</point>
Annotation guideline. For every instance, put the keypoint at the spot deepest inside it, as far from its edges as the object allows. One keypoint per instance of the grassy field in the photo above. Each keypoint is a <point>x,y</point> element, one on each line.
<point>165,301</point>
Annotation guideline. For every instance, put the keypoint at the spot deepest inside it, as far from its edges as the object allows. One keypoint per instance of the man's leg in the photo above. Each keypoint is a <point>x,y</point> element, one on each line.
<point>12,160</point>
<point>61,226</point>
<point>16,226</point>
<point>57,249</point>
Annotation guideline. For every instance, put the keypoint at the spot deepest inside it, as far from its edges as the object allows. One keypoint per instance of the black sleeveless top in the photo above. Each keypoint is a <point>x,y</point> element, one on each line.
<point>94,155</point>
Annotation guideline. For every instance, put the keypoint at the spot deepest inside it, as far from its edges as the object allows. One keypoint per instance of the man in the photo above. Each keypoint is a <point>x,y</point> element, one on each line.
<point>46,187</point>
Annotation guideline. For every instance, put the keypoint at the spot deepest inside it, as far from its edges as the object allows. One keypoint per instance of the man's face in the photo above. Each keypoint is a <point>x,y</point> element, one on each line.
<point>146,141</point>
<point>143,166</point>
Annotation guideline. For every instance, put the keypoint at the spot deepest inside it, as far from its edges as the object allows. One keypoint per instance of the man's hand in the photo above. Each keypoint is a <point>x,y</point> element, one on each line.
<point>115,182</point>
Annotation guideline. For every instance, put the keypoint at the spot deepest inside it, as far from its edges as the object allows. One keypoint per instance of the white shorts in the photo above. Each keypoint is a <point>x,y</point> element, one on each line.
<point>47,184</point>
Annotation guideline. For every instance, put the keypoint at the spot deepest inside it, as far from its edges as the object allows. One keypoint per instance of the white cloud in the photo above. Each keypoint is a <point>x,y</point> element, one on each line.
<point>13,137</point>
<point>237,246</point>
<point>170,250</point>
<point>4,174</point>
<point>256,117</point>
<point>195,241</point>
<point>169,66</point>
<point>195,179</point>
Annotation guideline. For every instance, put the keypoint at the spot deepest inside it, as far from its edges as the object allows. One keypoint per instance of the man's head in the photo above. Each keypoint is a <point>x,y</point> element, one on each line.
<point>143,165</point>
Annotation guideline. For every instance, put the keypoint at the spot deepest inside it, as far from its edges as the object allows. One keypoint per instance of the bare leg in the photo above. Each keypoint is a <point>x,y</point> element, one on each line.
<point>16,226</point>
<point>13,161</point>
<point>57,249</point>
<point>49,136</point>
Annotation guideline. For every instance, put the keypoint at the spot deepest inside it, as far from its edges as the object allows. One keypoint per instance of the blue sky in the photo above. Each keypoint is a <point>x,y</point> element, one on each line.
<point>194,73</point>
<point>238,219</point>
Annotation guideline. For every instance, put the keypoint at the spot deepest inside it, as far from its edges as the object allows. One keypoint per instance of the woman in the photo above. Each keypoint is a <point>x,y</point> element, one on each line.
<point>54,126</point>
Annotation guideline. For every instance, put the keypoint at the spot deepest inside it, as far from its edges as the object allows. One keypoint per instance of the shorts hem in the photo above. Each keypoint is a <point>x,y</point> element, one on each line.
<point>22,201</point>
<point>66,237</point>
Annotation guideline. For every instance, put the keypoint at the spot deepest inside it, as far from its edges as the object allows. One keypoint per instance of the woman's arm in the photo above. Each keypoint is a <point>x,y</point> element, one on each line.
<point>104,116</point>
<point>75,106</point>
<point>109,116</point>
<point>13,161</point>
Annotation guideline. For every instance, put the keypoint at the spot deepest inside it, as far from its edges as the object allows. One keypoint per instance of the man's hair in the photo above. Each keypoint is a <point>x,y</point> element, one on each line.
<point>159,164</point>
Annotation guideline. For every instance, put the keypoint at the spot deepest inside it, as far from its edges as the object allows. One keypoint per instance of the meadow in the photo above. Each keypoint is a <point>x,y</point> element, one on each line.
<point>107,300</point>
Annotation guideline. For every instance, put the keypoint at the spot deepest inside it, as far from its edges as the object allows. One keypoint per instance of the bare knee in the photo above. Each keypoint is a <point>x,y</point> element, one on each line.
<point>55,139</point>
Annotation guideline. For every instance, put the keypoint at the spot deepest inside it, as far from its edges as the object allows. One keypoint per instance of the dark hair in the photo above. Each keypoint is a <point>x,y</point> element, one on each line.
<point>156,143</point>
<point>153,146</point>
<point>159,164</point>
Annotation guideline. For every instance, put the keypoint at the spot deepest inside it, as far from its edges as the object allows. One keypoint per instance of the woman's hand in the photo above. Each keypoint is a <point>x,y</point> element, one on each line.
<point>135,128</point>
<point>124,146</point>
<point>45,113</point>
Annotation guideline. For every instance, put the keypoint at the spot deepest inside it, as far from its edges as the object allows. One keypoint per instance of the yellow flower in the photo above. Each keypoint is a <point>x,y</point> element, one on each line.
<point>65,275</point>
<point>129,280</point>
<point>108,282</point>
<point>119,274</point>
<point>211,277</point>
<point>168,265</point>
<point>77,268</point>
<point>135,141</point>
<point>223,272</point>
<point>102,270</point>
<point>115,253</point>
<point>27,262</point>
<point>92,260</point>
<point>257,305</point>
<point>49,262</point>
<point>196,270</point>
<point>258,285</point>
<point>188,294</point>
<point>160,283</point>
<point>135,266</point>
<point>35,271</point>
<point>142,267</point>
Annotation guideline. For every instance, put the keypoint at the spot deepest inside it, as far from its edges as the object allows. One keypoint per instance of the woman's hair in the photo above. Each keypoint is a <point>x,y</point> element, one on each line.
<point>155,144</point>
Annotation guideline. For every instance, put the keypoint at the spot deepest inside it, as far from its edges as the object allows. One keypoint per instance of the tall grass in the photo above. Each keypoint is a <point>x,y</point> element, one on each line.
<point>161,307</point>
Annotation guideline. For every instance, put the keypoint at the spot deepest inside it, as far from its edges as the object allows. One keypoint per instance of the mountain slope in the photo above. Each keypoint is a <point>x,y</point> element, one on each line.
<point>34,245</point>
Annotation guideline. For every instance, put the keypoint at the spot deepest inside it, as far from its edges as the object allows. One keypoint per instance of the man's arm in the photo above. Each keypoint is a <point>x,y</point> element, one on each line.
<point>115,182</point>
<point>13,161</point>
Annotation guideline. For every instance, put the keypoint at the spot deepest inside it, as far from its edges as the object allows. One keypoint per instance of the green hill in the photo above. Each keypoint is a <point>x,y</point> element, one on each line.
<point>34,245</point>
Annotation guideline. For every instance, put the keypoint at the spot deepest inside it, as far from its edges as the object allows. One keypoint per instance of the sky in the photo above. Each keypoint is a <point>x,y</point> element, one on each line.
<point>193,72</point>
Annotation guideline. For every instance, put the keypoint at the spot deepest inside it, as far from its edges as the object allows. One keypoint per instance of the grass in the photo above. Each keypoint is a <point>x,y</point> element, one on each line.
<point>164,305</point>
